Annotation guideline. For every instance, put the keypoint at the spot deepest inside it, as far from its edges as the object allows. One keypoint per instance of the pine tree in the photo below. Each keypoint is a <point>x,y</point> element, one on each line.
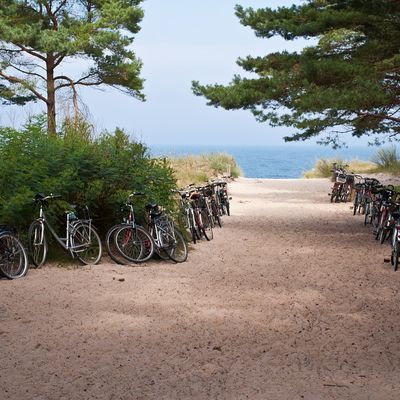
<point>38,36</point>
<point>348,81</point>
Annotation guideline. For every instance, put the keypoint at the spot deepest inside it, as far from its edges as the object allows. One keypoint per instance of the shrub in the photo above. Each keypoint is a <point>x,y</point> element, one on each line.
<point>98,172</point>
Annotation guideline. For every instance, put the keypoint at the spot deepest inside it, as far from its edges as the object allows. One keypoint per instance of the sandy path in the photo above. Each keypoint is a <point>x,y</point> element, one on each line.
<point>291,300</point>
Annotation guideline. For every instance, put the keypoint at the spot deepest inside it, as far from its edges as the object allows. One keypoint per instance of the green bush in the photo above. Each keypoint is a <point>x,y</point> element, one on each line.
<point>99,172</point>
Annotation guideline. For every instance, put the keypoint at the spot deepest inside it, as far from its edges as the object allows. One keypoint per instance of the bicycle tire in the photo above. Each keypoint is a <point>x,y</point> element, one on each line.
<point>198,228</point>
<point>384,235</point>
<point>367,212</point>
<point>83,235</point>
<point>178,252</point>
<point>375,218</point>
<point>215,214</point>
<point>206,226</point>
<point>356,204</point>
<point>381,231</point>
<point>193,234</point>
<point>228,208</point>
<point>134,244</point>
<point>37,248</point>
<point>111,247</point>
<point>346,193</point>
<point>160,251</point>
<point>11,249</point>
<point>395,254</point>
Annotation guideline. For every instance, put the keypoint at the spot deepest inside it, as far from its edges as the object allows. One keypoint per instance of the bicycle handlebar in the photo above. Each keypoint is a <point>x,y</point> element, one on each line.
<point>137,194</point>
<point>40,197</point>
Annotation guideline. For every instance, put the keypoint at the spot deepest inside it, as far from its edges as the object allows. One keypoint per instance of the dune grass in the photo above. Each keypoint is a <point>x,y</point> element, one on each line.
<point>199,169</point>
<point>323,167</point>
<point>384,160</point>
<point>387,160</point>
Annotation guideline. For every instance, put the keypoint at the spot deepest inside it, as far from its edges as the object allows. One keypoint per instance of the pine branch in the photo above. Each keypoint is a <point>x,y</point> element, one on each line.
<point>14,79</point>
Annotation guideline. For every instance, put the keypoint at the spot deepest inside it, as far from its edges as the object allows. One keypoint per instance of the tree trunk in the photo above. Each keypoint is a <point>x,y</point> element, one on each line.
<point>51,96</point>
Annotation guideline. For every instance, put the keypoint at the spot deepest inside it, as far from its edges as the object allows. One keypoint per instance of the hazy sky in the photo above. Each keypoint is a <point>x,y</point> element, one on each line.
<point>181,41</point>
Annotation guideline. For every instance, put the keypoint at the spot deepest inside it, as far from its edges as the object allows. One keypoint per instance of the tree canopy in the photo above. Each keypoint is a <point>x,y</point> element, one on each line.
<point>38,36</point>
<point>347,81</point>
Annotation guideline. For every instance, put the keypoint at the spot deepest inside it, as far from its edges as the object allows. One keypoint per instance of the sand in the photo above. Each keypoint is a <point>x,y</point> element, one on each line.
<point>291,300</point>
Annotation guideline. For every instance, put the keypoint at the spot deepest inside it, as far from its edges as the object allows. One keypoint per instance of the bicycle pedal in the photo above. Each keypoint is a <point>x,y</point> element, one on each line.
<point>386,260</point>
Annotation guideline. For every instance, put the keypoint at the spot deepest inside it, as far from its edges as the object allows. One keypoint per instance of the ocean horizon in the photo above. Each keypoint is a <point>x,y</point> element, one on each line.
<point>286,161</point>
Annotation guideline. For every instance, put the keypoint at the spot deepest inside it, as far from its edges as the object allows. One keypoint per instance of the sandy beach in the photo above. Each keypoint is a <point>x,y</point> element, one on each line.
<point>291,300</point>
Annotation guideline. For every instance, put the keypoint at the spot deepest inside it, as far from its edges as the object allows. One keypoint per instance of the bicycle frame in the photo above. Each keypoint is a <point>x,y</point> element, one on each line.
<point>157,231</point>
<point>65,243</point>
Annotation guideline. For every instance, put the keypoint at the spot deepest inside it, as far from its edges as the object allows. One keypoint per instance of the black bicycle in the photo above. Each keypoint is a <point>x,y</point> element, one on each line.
<point>13,258</point>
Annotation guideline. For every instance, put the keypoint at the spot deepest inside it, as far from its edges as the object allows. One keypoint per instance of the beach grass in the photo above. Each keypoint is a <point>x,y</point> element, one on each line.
<point>199,169</point>
<point>384,160</point>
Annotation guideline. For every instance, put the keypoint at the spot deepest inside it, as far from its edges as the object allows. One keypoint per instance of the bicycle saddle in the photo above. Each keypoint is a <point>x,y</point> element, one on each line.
<point>151,206</point>
<point>39,196</point>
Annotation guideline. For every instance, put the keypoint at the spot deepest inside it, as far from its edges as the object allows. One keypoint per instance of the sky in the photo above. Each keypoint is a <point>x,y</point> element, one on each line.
<point>181,41</point>
<point>190,40</point>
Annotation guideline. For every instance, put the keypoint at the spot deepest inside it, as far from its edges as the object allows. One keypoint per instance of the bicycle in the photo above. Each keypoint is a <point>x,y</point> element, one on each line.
<point>201,216</point>
<point>81,239</point>
<point>395,242</point>
<point>168,240</point>
<point>341,189</point>
<point>388,205</point>
<point>13,258</point>
<point>131,240</point>
<point>222,197</point>
<point>212,205</point>
<point>187,214</point>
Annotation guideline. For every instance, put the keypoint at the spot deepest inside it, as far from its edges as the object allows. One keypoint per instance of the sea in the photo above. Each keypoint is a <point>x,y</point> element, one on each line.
<point>284,161</point>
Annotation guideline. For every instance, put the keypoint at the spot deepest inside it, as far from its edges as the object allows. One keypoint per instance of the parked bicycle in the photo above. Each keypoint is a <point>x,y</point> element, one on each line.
<point>13,258</point>
<point>128,239</point>
<point>81,239</point>
<point>342,185</point>
<point>168,240</point>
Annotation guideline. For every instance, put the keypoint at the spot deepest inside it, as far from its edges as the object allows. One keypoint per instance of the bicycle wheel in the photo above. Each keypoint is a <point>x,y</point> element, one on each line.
<point>193,234</point>
<point>367,212</point>
<point>384,234</point>
<point>198,228</point>
<point>218,220</point>
<point>86,243</point>
<point>375,218</point>
<point>228,208</point>
<point>356,204</point>
<point>206,225</point>
<point>37,244</point>
<point>334,194</point>
<point>135,244</point>
<point>346,193</point>
<point>178,250</point>
<point>395,254</point>
<point>215,214</point>
<point>111,246</point>
<point>13,258</point>
<point>384,226</point>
